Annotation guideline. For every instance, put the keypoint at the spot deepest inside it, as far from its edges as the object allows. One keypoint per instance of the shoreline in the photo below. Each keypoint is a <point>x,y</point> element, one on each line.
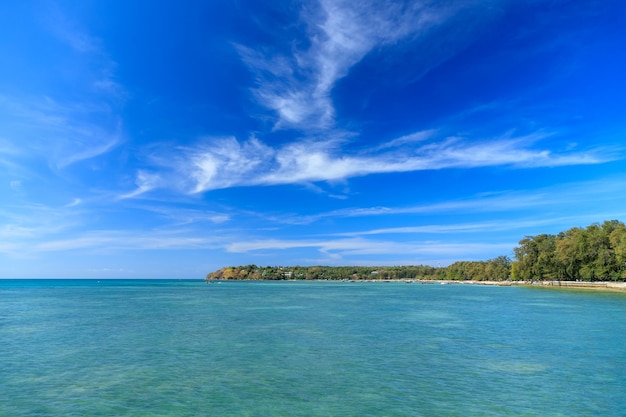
<point>611,286</point>
<point>594,286</point>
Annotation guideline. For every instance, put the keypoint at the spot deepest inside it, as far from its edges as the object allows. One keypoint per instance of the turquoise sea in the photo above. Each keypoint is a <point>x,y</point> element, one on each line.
<point>185,348</point>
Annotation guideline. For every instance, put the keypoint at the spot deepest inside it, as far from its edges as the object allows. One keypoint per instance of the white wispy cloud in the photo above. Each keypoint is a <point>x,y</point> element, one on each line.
<point>185,216</point>
<point>409,139</point>
<point>361,246</point>
<point>32,230</point>
<point>482,227</point>
<point>298,84</point>
<point>446,228</point>
<point>29,230</point>
<point>62,133</point>
<point>50,125</point>
<point>23,224</point>
<point>584,196</point>
<point>71,32</point>
<point>75,202</point>
<point>123,240</point>
<point>227,162</point>
<point>340,33</point>
<point>145,181</point>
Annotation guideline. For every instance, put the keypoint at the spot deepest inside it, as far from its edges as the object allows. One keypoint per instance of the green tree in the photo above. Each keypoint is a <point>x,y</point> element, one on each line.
<point>567,252</point>
<point>617,240</point>
<point>535,257</point>
<point>498,269</point>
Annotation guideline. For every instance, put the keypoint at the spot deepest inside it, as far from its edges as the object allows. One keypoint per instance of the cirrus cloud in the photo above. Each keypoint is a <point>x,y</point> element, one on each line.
<point>227,162</point>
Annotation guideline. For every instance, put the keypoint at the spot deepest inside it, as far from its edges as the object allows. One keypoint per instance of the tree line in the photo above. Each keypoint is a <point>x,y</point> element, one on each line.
<point>497,269</point>
<point>594,253</point>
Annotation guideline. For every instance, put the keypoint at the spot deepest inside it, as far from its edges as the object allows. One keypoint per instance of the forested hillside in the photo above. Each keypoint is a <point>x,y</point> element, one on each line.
<point>595,253</point>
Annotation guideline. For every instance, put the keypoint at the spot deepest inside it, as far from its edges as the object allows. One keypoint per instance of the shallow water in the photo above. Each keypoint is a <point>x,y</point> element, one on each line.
<point>184,348</point>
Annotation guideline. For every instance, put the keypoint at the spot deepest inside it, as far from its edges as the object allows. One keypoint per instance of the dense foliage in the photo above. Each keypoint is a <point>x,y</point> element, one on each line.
<point>495,269</point>
<point>596,253</point>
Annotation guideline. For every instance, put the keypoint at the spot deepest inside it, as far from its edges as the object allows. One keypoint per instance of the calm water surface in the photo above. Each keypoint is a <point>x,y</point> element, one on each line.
<point>184,348</point>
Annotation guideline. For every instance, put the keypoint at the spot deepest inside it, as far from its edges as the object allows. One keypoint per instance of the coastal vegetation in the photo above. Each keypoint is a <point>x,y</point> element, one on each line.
<point>594,253</point>
<point>492,270</point>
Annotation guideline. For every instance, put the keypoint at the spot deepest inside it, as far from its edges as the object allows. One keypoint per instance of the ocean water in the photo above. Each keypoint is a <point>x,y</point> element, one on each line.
<point>185,348</point>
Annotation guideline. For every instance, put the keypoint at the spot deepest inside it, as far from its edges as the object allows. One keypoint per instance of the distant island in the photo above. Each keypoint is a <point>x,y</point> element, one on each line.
<point>596,253</point>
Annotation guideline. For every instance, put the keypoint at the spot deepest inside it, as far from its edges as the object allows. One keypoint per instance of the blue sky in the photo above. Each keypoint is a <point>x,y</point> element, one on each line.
<point>168,139</point>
